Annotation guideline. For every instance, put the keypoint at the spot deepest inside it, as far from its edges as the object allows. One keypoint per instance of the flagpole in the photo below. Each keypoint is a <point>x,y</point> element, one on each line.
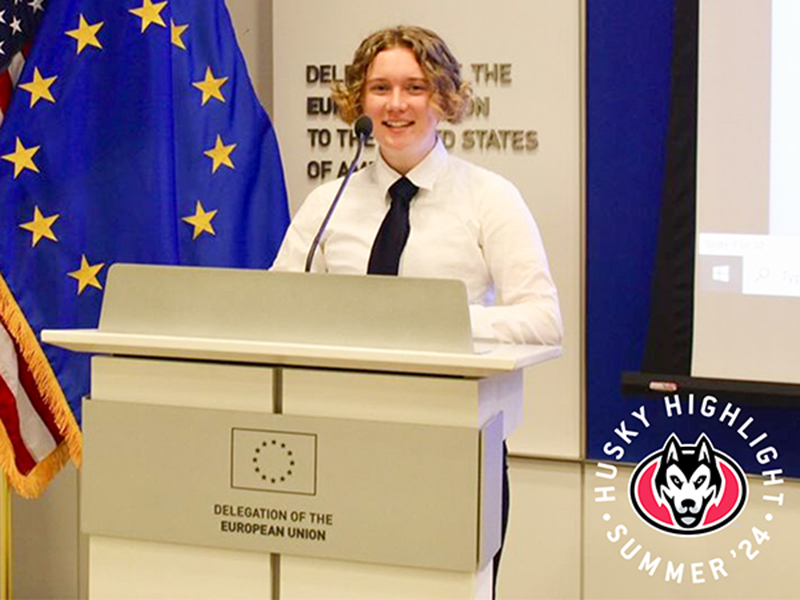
<point>5,541</point>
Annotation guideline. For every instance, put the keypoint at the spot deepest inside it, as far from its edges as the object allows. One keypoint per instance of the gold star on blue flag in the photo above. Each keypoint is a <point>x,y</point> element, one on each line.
<point>120,171</point>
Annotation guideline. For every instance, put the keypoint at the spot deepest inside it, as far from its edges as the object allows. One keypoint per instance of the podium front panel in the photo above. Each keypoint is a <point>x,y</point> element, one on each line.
<point>392,493</point>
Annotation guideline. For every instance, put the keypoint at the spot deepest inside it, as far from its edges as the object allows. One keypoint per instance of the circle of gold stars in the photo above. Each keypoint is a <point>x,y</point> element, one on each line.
<point>88,36</point>
<point>268,453</point>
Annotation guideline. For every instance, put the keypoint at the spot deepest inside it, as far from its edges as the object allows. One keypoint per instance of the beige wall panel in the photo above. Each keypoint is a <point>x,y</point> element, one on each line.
<point>769,574</point>
<point>542,555</point>
<point>252,21</point>
<point>45,539</point>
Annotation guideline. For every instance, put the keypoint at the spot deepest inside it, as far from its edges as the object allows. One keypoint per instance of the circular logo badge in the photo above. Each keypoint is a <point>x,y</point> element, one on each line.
<point>688,489</point>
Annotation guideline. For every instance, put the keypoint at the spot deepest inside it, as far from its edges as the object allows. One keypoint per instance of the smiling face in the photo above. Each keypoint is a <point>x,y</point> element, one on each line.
<point>397,97</point>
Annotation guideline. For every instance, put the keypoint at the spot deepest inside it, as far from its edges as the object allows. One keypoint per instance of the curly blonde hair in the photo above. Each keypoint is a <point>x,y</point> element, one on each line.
<point>451,93</point>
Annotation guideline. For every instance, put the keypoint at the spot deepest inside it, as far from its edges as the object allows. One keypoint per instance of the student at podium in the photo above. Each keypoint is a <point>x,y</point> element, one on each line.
<point>419,212</point>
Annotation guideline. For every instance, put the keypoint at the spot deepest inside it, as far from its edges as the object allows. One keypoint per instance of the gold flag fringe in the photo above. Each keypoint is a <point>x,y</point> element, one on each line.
<point>32,484</point>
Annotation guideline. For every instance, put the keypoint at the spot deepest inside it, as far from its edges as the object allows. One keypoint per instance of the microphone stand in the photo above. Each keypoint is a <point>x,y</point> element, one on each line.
<point>363,128</point>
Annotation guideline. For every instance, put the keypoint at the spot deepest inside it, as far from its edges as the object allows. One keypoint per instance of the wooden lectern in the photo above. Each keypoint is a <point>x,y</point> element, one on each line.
<point>277,436</point>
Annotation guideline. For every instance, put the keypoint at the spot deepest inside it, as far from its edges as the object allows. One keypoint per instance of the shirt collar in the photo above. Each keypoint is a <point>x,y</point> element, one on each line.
<point>423,175</point>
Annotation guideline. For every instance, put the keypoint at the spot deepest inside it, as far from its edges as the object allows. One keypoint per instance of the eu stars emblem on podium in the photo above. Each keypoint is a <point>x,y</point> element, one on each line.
<point>273,461</point>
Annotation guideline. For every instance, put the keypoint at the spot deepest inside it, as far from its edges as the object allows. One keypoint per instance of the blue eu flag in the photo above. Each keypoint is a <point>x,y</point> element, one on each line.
<point>134,136</point>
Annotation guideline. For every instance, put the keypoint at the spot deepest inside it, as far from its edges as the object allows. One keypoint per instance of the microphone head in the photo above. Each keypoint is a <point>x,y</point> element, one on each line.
<point>363,127</point>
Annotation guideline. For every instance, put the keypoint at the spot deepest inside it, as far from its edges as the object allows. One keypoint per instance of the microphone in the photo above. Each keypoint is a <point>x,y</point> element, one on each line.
<point>363,129</point>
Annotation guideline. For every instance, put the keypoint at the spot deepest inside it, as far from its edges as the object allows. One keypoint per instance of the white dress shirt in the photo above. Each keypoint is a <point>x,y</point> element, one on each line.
<point>467,223</point>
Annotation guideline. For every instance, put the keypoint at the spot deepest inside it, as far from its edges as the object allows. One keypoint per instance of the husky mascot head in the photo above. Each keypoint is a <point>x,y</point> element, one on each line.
<point>688,480</point>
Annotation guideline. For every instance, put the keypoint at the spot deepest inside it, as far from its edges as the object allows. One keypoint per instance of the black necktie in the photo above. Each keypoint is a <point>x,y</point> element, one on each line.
<point>391,239</point>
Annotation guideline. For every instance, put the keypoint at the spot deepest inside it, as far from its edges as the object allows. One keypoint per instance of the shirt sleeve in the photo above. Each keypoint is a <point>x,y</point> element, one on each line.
<point>526,308</point>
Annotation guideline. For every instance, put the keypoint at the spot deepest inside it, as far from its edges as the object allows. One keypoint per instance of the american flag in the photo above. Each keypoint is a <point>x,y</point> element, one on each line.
<point>18,23</point>
<point>33,447</point>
